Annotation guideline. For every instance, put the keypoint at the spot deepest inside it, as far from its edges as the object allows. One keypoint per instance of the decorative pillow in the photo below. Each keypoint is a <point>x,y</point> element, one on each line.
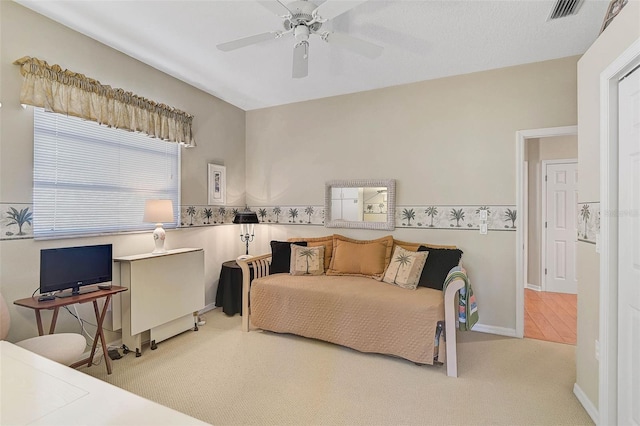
<point>361,258</point>
<point>281,256</point>
<point>326,242</point>
<point>405,268</point>
<point>414,246</point>
<point>307,260</point>
<point>439,263</point>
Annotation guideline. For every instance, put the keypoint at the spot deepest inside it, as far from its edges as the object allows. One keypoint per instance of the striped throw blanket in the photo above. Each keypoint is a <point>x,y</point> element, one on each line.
<point>467,307</point>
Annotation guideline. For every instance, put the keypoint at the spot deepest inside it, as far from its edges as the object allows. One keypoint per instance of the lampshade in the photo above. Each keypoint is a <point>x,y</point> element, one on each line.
<point>158,211</point>
<point>246,217</point>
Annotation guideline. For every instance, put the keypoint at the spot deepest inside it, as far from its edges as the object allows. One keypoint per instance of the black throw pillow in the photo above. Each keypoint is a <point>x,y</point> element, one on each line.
<point>439,263</point>
<point>281,256</point>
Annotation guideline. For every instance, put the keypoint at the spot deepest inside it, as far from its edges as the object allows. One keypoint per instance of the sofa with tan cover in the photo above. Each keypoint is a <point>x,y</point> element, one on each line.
<point>371,296</point>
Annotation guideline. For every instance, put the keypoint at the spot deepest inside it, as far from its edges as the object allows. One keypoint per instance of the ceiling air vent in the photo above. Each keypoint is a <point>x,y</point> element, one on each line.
<point>564,8</point>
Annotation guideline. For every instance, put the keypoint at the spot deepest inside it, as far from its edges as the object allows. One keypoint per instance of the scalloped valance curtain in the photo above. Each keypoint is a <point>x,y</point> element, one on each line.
<point>67,92</point>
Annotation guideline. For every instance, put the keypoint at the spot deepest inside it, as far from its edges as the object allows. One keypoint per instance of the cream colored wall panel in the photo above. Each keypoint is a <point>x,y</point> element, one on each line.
<point>560,147</point>
<point>587,326</point>
<point>461,128</point>
<point>624,29</point>
<point>618,36</point>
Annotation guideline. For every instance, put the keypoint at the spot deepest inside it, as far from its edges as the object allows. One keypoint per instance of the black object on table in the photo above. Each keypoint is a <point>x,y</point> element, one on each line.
<point>229,294</point>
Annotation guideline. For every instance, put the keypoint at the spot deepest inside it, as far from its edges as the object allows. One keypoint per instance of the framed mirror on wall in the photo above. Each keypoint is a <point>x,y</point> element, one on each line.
<point>360,203</point>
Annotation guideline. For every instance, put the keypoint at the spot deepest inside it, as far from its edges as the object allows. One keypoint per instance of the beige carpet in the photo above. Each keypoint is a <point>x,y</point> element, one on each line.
<point>224,376</point>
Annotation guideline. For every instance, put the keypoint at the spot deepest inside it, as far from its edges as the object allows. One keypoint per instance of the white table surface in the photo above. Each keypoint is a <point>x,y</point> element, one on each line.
<point>37,391</point>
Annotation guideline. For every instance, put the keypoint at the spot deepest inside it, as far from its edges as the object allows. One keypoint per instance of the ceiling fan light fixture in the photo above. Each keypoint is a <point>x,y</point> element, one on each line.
<point>301,33</point>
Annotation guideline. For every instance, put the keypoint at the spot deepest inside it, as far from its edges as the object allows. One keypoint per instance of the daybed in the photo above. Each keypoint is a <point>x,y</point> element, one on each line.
<point>344,305</point>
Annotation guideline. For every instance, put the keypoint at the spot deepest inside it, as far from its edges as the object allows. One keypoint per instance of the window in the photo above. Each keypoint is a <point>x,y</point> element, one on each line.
<point>92,179</point>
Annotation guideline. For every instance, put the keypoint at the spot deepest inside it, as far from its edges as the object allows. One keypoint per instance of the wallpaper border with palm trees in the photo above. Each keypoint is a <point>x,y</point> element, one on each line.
<point>588,222</point>
<point>16,221</point>
<point>195,215</point>
<point>198,215</point>
<point>291,215</point>
<point>16,218</point>
<point>499,217</point>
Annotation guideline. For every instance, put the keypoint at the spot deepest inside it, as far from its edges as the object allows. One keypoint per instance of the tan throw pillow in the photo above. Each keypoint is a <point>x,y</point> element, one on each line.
<point>360,258</point>
<point>307,260</point>
<point>414,246</point>
<point>405,268</point>
<point>326,242</point>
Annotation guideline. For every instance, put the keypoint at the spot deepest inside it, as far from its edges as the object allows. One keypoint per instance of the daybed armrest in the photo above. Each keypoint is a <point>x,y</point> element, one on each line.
<point>260,266</point>
<point>450,317</point>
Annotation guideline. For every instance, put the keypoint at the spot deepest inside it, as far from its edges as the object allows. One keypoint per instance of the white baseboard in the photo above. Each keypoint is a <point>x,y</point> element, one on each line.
<point>491,329</point>
<point>533,287</point>
<point>586,403</point>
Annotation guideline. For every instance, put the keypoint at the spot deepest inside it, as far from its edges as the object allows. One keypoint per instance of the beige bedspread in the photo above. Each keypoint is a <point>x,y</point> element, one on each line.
<point>360,313</point>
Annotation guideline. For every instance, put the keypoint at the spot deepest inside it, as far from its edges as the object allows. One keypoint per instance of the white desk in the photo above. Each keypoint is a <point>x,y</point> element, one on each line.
<point>37,391</point>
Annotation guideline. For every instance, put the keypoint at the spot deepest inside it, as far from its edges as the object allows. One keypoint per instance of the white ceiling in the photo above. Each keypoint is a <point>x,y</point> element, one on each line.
<point>422,40</point>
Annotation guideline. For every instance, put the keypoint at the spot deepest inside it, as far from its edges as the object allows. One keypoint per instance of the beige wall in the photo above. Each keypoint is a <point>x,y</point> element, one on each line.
<point>218,128</point>
<point>446,141</point>
<point>537,150</point>
<point>618,36</point>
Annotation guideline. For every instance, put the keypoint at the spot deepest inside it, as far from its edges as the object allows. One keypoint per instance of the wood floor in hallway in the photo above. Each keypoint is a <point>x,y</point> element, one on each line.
<point>550,316</point>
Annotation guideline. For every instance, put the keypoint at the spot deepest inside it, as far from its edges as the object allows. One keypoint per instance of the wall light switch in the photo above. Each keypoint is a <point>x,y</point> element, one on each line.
<point>483,228</point>
<point>483,215</point>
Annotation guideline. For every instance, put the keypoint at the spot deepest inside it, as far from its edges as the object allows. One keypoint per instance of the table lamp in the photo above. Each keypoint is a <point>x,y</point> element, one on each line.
<point>247,220</point>
<point>158,212</point>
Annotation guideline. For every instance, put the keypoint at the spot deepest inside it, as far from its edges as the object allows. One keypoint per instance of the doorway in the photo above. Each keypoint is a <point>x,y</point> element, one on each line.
<point>551,179</point>
<point>524,141</point>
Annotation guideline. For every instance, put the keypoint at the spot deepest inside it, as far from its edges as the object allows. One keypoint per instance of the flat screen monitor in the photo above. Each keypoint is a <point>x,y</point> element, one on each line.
<point>73,268</point>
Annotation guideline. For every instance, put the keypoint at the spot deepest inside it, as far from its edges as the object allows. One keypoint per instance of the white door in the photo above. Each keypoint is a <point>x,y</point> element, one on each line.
<point>560,232</point>
<point>629,251</point>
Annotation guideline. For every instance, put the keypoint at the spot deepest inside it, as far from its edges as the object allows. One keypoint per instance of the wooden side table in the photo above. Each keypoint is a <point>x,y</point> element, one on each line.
<point>56,304</point>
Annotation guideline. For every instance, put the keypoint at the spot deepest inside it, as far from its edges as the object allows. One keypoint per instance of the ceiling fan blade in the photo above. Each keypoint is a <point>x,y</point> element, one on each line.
<point>354,44</point>
<point>332,8</point>
<point>301,60</point>
<point>247,41</point>
<point>277,7</point>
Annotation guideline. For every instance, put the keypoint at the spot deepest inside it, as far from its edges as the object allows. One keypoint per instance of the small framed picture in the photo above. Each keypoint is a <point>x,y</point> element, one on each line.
<point>217,184</point>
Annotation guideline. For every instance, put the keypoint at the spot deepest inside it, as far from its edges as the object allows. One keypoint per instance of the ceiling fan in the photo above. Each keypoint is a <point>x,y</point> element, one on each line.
<point>302,19</point>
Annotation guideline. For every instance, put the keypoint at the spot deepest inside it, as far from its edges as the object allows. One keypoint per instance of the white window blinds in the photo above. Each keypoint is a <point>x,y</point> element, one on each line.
<point>92,179</point>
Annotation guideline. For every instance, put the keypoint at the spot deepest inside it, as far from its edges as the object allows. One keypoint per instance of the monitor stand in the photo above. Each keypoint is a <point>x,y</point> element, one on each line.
<point>74,292</point>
